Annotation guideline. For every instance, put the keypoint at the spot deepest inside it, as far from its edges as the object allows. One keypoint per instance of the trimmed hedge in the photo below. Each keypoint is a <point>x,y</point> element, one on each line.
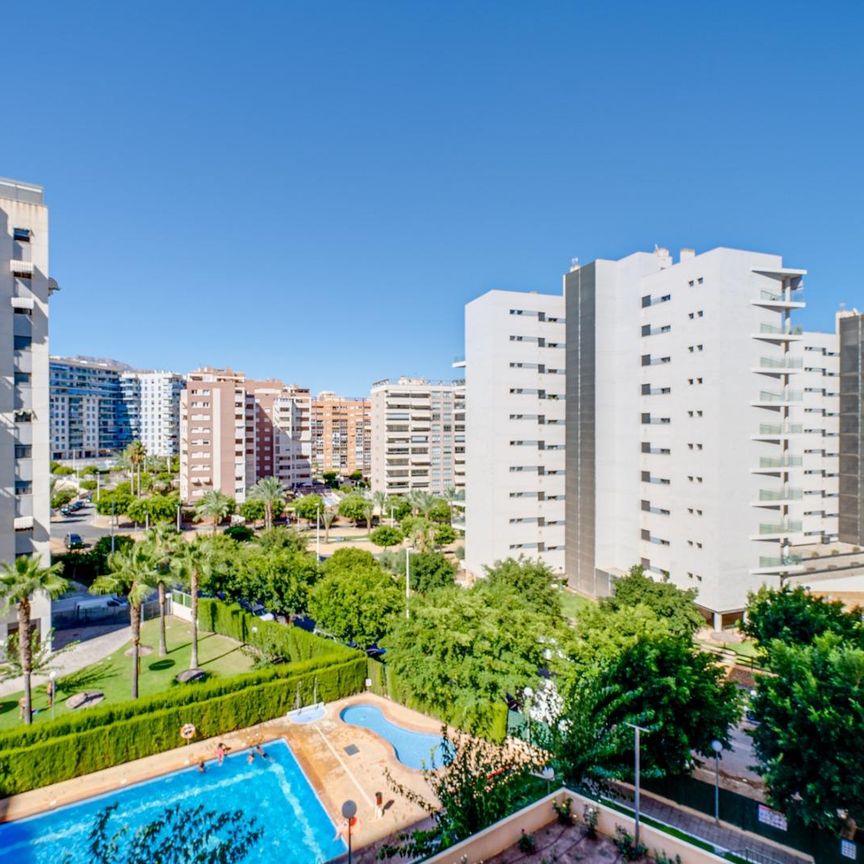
<point>102,737</point>
<point>486,721</point>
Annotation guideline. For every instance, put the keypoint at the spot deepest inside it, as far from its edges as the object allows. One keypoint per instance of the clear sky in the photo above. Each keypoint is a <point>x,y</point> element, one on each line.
<point>313,190</point>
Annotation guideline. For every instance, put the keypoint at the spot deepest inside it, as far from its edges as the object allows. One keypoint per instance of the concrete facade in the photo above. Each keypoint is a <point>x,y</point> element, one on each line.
<point>514,408</point>
<point>25,288</point>
<point>850,333</point>
<point>416,435</point>
<point>683,408</point>
<point>341,435</point>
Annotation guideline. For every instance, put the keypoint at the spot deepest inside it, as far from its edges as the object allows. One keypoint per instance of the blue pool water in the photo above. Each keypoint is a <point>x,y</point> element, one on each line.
<point>414,749</point>
<point>297,829</point>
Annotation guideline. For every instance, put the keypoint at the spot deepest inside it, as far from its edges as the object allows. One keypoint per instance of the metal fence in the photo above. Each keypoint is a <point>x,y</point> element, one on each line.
<point>100,616</point>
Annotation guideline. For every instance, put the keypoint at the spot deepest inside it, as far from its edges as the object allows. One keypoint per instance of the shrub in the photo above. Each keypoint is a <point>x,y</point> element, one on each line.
<point>89,485</point>
<point>527,844</point>
<point>240,533</point>
<point>626,845</point>
<point>385,535</point>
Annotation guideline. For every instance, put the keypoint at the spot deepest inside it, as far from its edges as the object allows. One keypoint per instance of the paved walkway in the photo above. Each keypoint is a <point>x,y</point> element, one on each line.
<point>723,836</point>
<point>83,654</point>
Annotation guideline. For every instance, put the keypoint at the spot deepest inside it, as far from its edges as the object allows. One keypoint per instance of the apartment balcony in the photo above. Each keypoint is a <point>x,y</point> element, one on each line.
<point>777,300</point>
<point>769,399</point>
<point>777,431</point>
<point>777,530</point>
<point>773,565</point>
<point>773,333</point>
<point>776,465</point>
<point>778,366</point>
<point>777,497</point>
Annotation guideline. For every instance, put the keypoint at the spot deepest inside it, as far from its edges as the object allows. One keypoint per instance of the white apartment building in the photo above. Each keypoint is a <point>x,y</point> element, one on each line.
<point>416,434</point>
<point>685,424</point>
<point>25,288</point>
<point>152,401</point>
<point>515,436</point>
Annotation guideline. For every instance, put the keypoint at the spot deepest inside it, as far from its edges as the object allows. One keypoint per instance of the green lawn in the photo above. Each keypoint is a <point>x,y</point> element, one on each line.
<point>572,603</point>
<point>217,656</point>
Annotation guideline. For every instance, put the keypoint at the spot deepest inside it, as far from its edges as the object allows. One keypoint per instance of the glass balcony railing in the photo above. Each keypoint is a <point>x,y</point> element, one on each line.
<point>790,527</point>
<point>787,396</point>
<point>773,462</point>
<point>784,331</point>
<point>779,429</point>
<point>780,494</point>
<point>778,363</point>
<point>788,561</point>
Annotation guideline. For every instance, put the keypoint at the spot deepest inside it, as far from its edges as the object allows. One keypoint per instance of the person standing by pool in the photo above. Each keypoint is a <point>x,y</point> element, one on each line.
<point>221,750</point>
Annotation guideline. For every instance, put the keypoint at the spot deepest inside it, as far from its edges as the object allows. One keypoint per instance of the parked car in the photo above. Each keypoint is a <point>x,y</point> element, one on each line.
<point>75,506</point>
<point>73,541</point>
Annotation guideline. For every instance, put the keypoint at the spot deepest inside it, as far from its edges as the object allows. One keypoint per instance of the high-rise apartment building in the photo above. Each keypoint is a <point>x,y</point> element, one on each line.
<point>152,404</point>
<point>234,431</point>
<point>515,387</point>
<point>341,435</point>
<point>416,434</point>
<point>692,447</point>
<point>25,286</point>
<point>213,434</point>
<point>89,414</point>
<point>278,432</point>
<point>850,327</point>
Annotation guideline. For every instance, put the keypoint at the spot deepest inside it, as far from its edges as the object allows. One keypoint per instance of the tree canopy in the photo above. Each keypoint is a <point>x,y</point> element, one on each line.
<point>533,580</point>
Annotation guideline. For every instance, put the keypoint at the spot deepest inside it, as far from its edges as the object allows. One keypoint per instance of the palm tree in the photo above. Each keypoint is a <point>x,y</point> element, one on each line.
<point>368,513</point>
<point>19,581</point>
<point>163,540</point>
<point>271,493</point>
<point>133,573</point>
<point>187,565</point>
<point>134,456</point>
<point>421,501</point>
<point>379,499</point>
<point>327,519</point>
<point>214,505</point>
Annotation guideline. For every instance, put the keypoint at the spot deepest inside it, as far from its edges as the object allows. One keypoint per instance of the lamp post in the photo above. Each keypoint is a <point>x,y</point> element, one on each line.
<point>318,533</point>
<point>113,518</point>
<point>717,747</point>
<point>636,747</point>
<point>179,529</point>
<point>349,811</point>
<point>53,676</point>
<point>407,581</point>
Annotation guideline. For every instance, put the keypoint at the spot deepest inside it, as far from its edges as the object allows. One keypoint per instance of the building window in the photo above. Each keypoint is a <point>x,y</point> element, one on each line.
<point>21,343</point>
<point>22,235</point>
<point>23,451</point>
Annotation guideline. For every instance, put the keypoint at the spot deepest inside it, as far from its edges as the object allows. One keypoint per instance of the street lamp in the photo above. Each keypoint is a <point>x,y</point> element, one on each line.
<point>179,529</point>
<point>349,811</point>
<point>636,747</point>
<point>113,518</point>
<point>717,747</point>
<point>407,581</point>
<point>53,676</point>
<point>318,532</point>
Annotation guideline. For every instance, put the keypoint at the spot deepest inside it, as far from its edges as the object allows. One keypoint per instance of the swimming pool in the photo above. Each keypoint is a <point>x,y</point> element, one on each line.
<point>297,829</point>
<point>414,749</point>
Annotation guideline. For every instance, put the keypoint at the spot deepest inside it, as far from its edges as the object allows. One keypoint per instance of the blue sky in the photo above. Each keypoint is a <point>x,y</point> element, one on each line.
<point>314,190</point>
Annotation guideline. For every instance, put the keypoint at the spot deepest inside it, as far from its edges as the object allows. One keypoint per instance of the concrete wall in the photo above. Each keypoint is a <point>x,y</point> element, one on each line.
<point>505,834</point>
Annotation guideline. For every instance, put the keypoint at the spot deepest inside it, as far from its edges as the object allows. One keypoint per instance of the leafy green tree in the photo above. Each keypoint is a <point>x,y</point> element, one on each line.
<point>89,470</point>
<point>398,507</point>
<point>356,508</point>
<point>331,479</point>
<point>419,531</point>
<point>473,784</point>
<point>240,533</point>
<point>797,617</point>
<point>385,536</point>
<point>811,708</point>
<point>430,571</point>
<point>62,497</point>
<point>531,579</point>
<point>355,600</point>
<point>137,511</point>
<point>465,649</point>
<point>444,535</point>
<point>674,604</point>
<point>179,835</point>
<point>133,573</point>
<point>271,493</point>
<point>439,512</point>
<point>214,505</point>
<point>308,507</point>
<point>280,578</point>
<point>115,502</point>
<point>88,485</point>
<point>252,510</point>
<point>20,581</point>
<point>283,538</point>
<point>163,508</point>
<point>61,470</point>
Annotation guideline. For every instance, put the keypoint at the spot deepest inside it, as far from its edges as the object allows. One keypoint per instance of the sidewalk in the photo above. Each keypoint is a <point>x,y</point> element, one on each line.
<point>83,654</point>
<point>723,836</point>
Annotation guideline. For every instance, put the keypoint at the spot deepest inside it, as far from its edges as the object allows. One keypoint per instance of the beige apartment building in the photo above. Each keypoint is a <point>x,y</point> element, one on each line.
<point>234,431</point>
<point>418,435</point>
<point>341,434</point>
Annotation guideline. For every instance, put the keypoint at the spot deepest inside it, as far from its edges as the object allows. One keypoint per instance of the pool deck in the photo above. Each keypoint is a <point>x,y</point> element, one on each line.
<point>320,748</point>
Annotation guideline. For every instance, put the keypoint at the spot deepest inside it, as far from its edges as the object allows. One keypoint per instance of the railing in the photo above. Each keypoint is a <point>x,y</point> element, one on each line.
<point>783,331</point>
<point>772,462</point>
<point>769,295</point>
<point>773,561</point>
<point>790,527</point>
<point>787,396</point>
<point>774,363</point>
<point>779,429</point>
<point>781,495</point>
